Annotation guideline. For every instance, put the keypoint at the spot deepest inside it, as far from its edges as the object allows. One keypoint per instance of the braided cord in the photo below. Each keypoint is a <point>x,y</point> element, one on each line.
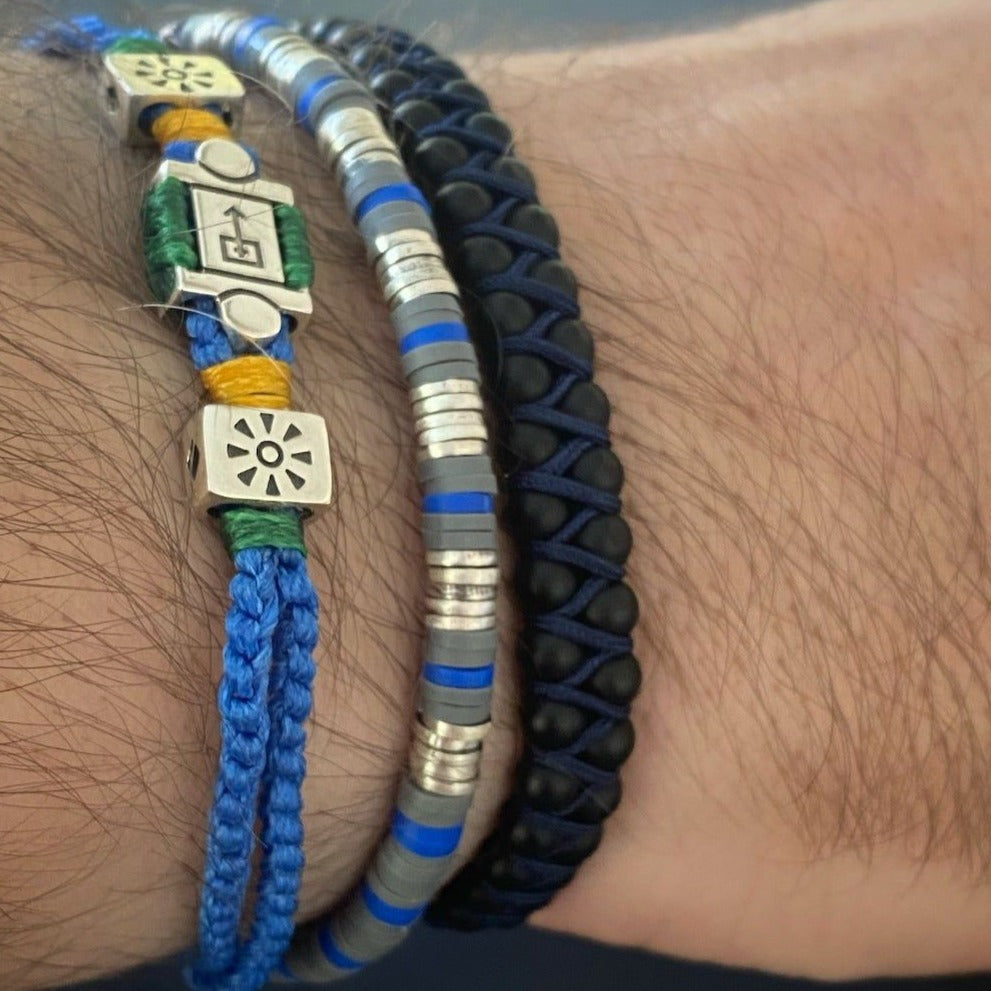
<point>244,733</point>
<point>224,962</point>
<point>84,35</point>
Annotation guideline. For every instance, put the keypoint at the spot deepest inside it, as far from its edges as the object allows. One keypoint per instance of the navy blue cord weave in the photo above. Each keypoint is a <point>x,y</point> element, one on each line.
<point>502,885</point>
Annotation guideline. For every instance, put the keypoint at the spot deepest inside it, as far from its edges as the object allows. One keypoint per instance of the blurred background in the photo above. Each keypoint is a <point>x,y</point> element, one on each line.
<point>522,960</point>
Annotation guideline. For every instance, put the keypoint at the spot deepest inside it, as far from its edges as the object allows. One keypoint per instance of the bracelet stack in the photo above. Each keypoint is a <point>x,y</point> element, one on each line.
<point>562,478</point>
<point>228,249</point>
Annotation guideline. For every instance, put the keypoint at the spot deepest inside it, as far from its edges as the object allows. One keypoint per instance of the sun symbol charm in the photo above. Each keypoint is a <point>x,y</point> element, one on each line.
<point>258,457</point>
<point>131,82</point>
<point>281,461</point>
<point>178,73</point>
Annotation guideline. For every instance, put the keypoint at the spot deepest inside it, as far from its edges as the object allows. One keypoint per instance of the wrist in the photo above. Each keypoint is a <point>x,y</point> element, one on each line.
<point>764,295</point>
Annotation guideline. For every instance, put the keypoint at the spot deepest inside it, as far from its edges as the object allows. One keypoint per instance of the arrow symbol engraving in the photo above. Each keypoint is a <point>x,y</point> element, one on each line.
<point>236,217</point>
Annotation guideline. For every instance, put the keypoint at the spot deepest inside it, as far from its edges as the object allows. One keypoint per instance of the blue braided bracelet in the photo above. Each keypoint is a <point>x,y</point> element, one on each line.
<point>264,693</point>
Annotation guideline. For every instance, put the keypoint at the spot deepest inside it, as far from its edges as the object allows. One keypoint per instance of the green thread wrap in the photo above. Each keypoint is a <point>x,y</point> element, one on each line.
<point>169,240</point>
<point>297,262</point>
<point>137,46</point>
<point>248,526</point>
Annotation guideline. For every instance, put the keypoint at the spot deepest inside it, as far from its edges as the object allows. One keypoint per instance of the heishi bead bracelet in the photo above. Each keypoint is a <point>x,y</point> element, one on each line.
<point>214,234</point>
<point>562,479</point>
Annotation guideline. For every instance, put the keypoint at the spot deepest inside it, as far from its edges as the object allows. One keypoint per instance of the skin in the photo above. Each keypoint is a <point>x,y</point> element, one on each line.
<point>780,230</point>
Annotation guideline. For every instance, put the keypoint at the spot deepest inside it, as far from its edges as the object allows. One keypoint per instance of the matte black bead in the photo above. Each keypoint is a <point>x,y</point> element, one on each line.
<point>612,748</point>
<point>524,378</point>
<point>476,257</point>
<point>608,537</point>
<point>463,88</point>
<point>533,219</point>
<point>485,338</point>
<point>554,273</point>
<point>540,514</point>
<point>435,157</point>
<point>532,839</point>
<point>550,790</point>
<point>348,34</point>
<point>416,114</point>
<point>554,725</point>
<point>547,584</point>
<point>459,203</point>
<point>513,168</point>
<point>617,681</point>
<point>599,467</point>
<point>578,848</point>
<point>572,335</point>
<point>587,400</point>
<point>389,84</point>
<point>552,846</point>
<point>614,609</point>
<point>507,872</point>
<point>552,657</point>
<point>477,893</point>
<point>513,873</point>
<point>438,65</point>
<point>491,126</point>
<point>318,30</point>
<point>532,443</point>
<point>510,313</point>
<point>368,52</point>
<point>418,50</point>
<point>599,802</point>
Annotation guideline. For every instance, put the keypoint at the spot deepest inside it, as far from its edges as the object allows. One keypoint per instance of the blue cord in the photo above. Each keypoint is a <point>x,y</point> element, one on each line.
<point>81,35</point>
<point>244,730</point>
<point>225,963</point>
<point>291,682</point>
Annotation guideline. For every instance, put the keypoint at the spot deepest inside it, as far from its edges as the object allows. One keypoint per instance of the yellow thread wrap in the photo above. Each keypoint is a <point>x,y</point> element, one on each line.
<point>251,380</point>
<point>188,124</point>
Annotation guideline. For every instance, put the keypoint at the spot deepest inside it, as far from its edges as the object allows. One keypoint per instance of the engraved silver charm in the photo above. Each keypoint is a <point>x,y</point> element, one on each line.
<point>241,264</point>
<point>131,83</point>
<point>258,457</point>
<point>236,234</point>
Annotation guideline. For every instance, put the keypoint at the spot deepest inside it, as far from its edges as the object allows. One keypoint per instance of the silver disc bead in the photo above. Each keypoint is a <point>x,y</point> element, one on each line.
<point>452,449</point>
<point>484,576</point>
<point>463,559</point>
<point>462,623</point>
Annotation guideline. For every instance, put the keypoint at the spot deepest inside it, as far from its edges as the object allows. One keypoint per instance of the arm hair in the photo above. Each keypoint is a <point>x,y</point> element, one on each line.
<point>780,232</point>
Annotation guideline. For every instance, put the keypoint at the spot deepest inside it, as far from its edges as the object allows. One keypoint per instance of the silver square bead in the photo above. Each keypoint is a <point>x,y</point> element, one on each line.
<point>241,262</point>
<point>130,83</point>
<point>258,457</point>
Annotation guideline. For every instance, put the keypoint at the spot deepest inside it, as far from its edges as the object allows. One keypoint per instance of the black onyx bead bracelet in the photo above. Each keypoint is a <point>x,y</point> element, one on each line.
<point>562,479</point>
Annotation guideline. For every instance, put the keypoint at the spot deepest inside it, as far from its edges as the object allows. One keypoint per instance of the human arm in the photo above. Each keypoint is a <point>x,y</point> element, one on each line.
<point>764,221</point>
